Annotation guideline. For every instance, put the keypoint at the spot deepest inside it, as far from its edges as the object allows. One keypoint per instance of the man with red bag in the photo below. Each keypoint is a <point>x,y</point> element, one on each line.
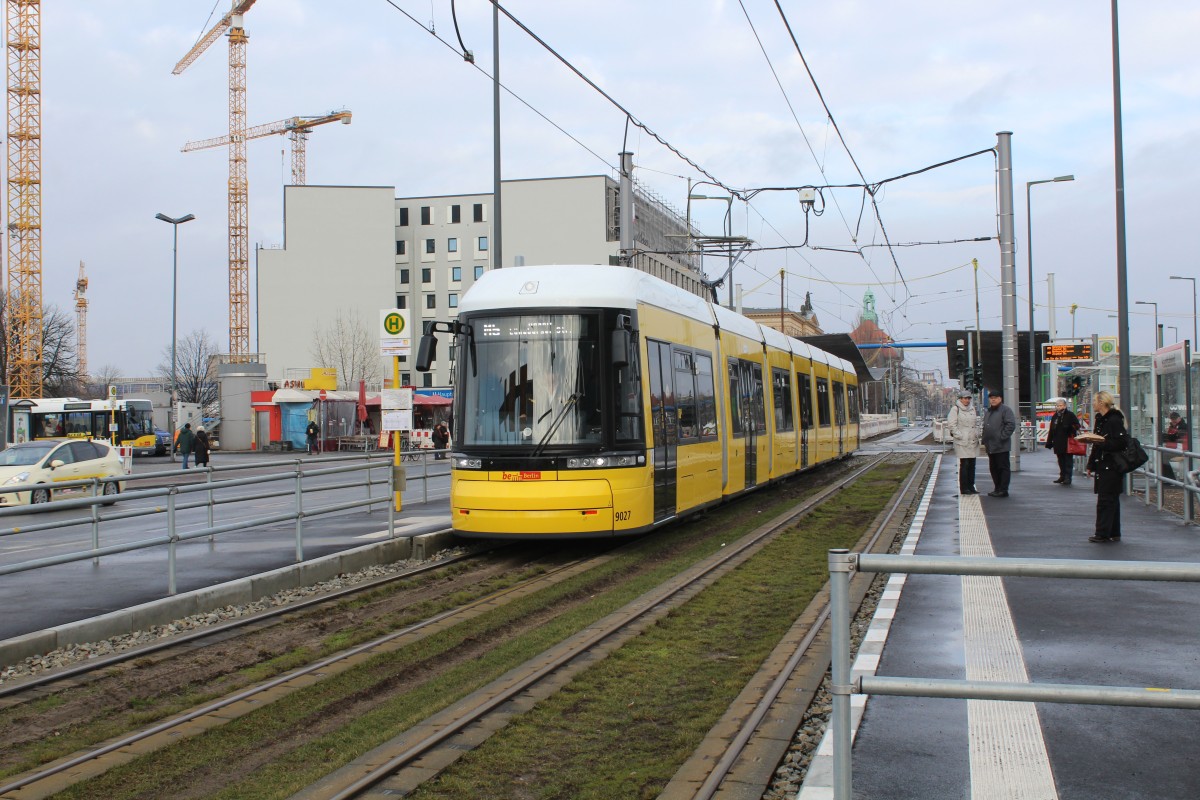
<point>1061,439</point>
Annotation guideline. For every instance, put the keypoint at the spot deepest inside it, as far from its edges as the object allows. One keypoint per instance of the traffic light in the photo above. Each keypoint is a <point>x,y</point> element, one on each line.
<point>977,377</point>
<point>958,359</point>
<point>1075,386</point>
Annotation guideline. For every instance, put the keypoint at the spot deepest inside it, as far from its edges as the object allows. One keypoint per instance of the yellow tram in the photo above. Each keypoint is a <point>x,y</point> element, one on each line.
<point>595,401</point>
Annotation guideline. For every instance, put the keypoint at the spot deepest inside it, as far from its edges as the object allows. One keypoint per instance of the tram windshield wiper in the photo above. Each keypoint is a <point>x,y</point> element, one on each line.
<point>558,420</point>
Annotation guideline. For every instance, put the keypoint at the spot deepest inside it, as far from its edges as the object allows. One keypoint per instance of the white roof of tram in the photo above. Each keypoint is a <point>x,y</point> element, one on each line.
<point>595,286</point>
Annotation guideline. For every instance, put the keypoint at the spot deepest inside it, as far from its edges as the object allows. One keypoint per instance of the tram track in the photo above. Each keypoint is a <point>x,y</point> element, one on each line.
<point>434,737</point>
<point>397,769</point>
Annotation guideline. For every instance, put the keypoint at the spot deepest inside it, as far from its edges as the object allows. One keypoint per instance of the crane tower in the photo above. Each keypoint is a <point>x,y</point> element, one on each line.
<point>239,211</point>
<point>23,34</point>
<point>81,305</point>
<point>297,130</point>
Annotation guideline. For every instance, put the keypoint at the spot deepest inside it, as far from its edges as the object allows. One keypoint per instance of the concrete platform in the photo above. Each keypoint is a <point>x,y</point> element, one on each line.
<point>1113,633</point>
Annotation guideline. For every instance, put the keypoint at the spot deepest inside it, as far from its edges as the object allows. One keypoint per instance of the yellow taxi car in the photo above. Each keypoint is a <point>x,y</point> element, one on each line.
<point>40,465</point>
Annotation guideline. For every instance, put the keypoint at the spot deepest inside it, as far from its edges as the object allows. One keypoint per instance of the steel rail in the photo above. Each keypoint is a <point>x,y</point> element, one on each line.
<point>650,603</point>
<point>279,680</point>
<point>733,752</point>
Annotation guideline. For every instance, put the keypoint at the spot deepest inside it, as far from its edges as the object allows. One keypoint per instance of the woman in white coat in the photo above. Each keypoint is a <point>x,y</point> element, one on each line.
<point>961,422</point>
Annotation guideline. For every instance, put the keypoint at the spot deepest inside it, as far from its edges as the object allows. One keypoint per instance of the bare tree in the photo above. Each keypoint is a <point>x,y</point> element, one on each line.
<point>195,369</point>
<point>101,379</point>
<point>348,346</point>
<point>59,357</point>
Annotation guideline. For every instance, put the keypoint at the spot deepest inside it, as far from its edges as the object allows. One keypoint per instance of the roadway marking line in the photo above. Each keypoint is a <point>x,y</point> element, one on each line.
<point>1007,749</point>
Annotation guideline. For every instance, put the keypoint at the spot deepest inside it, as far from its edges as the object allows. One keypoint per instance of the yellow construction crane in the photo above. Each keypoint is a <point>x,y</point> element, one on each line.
<point>23,37</point>
<point>81,321</point>
<point>239,212</point>
<point>297,130</point>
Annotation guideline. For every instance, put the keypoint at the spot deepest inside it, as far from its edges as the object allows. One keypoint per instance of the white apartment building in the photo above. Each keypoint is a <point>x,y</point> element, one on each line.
<point>338,262</point>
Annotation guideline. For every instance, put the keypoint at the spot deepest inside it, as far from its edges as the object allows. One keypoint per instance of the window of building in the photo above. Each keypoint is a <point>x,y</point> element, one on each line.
<point>406,378</point>
<point>452,245</point>
<point>431,301</point>
<point>482,243</point>
<point>426,215</point>
<point>456,214</point>
<point>401,301</point>
<point>456,274</point>
<point>431,245</point>
<point>478,271</point>
<point>453,300</point>
<point>427,380</point>
<point>477,212</point>
<point>404,276</point>
<point>400,247</point>
<point>426,275</point>
<point>403,217</point>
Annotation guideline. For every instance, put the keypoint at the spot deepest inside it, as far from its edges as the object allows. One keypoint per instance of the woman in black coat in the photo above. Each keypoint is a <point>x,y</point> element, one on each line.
<point>1063,426</point>
<point>200,447</point>
<point>1110,481</point>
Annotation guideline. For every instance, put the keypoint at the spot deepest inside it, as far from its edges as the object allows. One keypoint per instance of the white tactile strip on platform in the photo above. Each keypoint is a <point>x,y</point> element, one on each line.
<point>1007,750</point>
<point>818,782</point>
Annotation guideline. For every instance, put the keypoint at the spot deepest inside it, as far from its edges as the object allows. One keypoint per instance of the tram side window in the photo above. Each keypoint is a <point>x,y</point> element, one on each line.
<point>805,401</point>
<point>852,393</point>
<point>823,402</point>
<point>706,400</point>
<point>839,403</point>
<point>735,396</point>
<point>685,396</point>
<point>628,386</point>
<point>781,385</point>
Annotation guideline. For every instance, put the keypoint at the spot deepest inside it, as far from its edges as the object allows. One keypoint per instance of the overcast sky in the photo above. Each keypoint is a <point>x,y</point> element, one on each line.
<point>909,84</point>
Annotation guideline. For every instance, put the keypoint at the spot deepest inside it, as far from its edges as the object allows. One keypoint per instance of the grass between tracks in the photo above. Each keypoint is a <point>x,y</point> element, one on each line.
<point>625,727</point>
<point>621,733</point>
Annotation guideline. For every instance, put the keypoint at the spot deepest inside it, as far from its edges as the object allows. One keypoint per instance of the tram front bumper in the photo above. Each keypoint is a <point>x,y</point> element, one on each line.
<point>532,508</point>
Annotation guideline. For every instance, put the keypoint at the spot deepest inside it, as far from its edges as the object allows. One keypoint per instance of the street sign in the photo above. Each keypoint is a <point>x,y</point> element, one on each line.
<point>395,335</point>
<point>322,394</point>
<point>1068,351</point>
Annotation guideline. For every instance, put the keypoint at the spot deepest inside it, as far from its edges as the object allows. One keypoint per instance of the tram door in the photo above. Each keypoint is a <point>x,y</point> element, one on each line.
<point>665,424</point>
<point>753,415</point>
<point>805,388</point>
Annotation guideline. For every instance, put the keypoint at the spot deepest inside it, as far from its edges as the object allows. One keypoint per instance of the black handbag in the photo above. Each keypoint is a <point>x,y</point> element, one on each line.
<point>1132,457</point>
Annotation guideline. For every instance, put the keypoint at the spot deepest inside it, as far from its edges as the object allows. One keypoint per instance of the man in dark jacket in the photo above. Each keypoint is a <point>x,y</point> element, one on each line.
<point>185,443</point>
<point>999,422</point>
<point>310,434</point>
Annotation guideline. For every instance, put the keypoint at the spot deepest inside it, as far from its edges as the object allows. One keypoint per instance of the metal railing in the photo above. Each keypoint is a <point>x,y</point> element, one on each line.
<point>842,563</point>
<point>1184,474</point>
<point>207,493</point>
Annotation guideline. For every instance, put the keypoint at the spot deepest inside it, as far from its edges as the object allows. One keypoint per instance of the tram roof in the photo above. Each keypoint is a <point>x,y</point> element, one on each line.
<point>597,286</point>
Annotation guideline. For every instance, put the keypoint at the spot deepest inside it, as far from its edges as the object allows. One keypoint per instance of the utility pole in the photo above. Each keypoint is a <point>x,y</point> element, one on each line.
<point>1008,289</point>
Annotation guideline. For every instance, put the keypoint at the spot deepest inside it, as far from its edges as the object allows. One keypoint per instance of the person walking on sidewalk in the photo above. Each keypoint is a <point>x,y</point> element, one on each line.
<point>999,422</point>
<point>186,443</point>
<point>1110,481</point>
<point>1063,427</point>
<point>962,422</point>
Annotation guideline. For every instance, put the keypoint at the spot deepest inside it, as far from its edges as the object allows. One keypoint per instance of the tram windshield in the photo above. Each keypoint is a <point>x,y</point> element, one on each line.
<point>535,380</point>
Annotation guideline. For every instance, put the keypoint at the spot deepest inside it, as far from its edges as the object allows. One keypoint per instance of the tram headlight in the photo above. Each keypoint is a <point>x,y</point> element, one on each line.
<point>468,463</point>
<point>603,462</point>
<point>20,477</point>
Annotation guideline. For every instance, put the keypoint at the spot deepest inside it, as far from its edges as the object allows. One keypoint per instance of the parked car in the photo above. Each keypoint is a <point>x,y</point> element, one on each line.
<point>41,464</point>
<point>164,442</point>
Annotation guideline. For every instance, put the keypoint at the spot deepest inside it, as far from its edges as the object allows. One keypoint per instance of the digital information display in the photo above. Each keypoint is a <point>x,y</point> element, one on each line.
<point>1075,351</point>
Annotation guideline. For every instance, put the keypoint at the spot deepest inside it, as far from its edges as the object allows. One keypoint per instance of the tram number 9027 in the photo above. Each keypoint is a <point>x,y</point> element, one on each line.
<point>623,516</point>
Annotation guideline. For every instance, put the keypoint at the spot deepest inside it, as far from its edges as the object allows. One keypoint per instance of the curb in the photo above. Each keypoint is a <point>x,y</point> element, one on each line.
<point>239,591</point>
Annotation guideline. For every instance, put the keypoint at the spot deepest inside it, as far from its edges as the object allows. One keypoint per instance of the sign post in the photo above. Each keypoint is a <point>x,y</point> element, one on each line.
<point>395,340</point>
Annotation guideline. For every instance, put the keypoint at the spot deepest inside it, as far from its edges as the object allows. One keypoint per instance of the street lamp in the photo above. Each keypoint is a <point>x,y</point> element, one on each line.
<point>1195,336</point>
<point>175,223</point>
<point>1157,332</point>
<point>1029,256</point>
